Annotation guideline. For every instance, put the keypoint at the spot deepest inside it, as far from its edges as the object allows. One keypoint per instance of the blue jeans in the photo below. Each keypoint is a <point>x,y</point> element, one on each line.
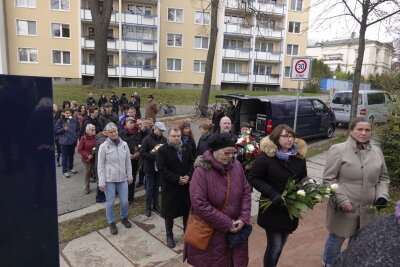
<point>122,188</point>
<point>152,188</point>
<point>333,245</point>
<point>67,154</point>
<point>275,243</point>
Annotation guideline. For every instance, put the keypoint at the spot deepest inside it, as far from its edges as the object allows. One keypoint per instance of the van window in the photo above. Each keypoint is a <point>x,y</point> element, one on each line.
<point>318,106</point>
<point>305,107</point>
<point>375,99</point>
<point>345,99</point>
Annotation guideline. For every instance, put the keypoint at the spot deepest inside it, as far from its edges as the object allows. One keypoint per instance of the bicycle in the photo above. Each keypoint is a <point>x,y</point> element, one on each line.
<point>166,110</point>
<point>197,112</point>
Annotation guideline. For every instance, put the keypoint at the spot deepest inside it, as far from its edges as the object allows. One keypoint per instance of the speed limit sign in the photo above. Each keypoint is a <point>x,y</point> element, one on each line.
<point>301,68</point>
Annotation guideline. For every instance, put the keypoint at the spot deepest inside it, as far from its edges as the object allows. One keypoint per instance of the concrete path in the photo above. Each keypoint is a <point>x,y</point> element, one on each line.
<point>145,243</point>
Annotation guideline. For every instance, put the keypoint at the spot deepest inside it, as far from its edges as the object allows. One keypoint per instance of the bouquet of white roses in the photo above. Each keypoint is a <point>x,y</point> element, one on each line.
<point>248,149</point>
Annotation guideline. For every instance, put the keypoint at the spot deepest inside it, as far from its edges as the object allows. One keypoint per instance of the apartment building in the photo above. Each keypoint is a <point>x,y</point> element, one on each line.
<point>159,43</point>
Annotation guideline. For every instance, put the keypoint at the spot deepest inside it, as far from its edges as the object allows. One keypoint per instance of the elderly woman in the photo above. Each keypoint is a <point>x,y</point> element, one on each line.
<point>115,173</point>
<point>224,210</point>
<point>86,148</point>
<point>282,158</point>
<point>359,169</point>
<point>188,137</point>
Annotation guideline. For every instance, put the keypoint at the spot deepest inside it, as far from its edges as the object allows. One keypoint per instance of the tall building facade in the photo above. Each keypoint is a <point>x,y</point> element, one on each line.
<point>159,43</point>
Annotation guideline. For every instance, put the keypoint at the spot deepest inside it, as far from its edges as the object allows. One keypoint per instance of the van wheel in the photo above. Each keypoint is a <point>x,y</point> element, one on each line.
<point>329,132</point>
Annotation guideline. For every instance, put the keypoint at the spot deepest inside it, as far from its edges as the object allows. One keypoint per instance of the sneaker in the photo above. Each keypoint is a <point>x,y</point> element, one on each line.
<point>113,228</point>
<point>66,175</point>
<point>126,222</point>
<point>73,171</point>
<point>87,190</point>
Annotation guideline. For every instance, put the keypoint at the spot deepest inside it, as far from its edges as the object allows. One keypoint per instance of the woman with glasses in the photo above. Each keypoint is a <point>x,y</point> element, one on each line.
<point>282,158</point>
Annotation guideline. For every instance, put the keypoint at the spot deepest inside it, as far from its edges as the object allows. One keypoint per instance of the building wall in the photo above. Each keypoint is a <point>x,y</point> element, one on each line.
<point>3,41</point>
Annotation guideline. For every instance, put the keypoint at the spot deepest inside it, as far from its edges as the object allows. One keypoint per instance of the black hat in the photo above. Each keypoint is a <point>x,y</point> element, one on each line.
<point>150,96</point>
<point>123,94</point>
<point>218,141</point>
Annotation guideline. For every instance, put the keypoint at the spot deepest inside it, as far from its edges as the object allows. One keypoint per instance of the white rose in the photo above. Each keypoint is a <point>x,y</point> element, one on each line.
<point>301,193</point>
<point>250,148</point>
<point>334,187</point>
<point>311,181</point>
<point>318,197</point>
<point>239,141</point>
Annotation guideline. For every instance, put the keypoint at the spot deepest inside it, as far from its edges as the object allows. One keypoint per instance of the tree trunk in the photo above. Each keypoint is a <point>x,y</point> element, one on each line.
<point>205,93</point>
<point>101,14</point>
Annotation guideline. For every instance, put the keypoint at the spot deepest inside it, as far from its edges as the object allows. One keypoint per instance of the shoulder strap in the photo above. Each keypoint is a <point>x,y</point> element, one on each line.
<point>227,190</point>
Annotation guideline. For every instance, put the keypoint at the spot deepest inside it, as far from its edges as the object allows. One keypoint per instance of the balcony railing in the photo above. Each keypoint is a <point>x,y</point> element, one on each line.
<point>88,69</point>
<point>241,77</point>
<point>127,18</point>
<point>88,43</point>
<point>268,56</point>
<point>127,44</point>
<point>132,71</point>
<point>239,29</point>
<point>266,79</point>
<point>259,5</point>
<point>276,33</point>
<point>237,52</point>
<point>86,15</point>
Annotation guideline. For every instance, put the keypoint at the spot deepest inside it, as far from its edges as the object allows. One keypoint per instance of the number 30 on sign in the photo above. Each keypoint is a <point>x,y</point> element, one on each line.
<point>301,68</point>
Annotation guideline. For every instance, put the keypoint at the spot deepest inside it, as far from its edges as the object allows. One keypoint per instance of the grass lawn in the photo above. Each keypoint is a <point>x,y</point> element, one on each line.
<point>175,97</point>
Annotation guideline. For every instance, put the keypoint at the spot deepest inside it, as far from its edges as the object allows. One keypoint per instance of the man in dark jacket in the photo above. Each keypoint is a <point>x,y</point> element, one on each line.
<point>123,100</point>
<point>90,101</point>
<point>114,100</point>
<point>68,130</point>
<point>175,164</point>
<point>149,149</point>
<point>108,116</point>
<point>134,140</point>
<point>92,119</point>
<point>143,131</point>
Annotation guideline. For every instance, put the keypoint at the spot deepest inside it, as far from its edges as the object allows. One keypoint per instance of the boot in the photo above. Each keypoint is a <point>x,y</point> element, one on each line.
<point>148,211</point>
<point>169,224</point>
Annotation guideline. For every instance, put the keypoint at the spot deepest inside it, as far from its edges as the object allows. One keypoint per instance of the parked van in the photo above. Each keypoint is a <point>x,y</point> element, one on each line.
<point>372,105</point>
<point>264,113</point>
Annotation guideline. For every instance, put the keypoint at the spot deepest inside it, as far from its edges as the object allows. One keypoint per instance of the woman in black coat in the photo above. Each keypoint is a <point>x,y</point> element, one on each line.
<point>102,100</point>
<point>188,137</point>
<point>175,165</point>
<point>283,157</point>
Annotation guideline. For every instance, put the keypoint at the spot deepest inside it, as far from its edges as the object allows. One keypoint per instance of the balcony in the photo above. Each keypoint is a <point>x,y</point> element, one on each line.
<point>130,18</point>
<point>88,69</point>
<point>264,6</point>
<point>139,45</point>
<point>136,71</point>
<point>266,79</point>
<point>86,15</point>
<point>88,43</point>
<point>274,33</point>
<point>241,77</point>
<point>237,53</point>
<point>238,29</point>
<point>268,56</point>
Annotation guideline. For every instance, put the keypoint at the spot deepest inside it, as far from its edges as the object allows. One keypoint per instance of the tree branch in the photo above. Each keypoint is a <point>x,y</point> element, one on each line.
<point>383,18</point>
<point>351,12</point>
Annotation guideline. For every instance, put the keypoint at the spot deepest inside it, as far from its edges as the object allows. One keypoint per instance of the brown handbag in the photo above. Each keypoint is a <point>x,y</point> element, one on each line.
<point>198,233</point>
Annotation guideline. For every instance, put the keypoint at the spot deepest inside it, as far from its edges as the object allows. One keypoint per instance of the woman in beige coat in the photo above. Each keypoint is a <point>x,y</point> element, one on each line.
<point>358,168</point>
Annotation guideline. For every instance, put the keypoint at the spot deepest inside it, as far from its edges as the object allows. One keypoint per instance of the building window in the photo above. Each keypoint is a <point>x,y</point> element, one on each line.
<point>232,19</point>
<point>61,5</point>
<point>146,84</point>
<point>231,67</point>
<point>59,30</point>
<point>61,57</point>
<point>233,43</point>
<point>141,33</point>
<point>201,17</point>
<point>26,27</point>
<point>174,40</point>
<point>138,60</point>
<point>294,27</point>
<point>175,15</point>
<point>266,23</point>
<point>262,69</point>
<point>174,64</point>
<point>292,50</point>
<point>199,66</point>
<point>28,55</point>
<point>264,46</point>
<point>139,9</point>
<point>287,72</point>
<point>296,5</point>
<point>25,3</point>
<point>200,42</point>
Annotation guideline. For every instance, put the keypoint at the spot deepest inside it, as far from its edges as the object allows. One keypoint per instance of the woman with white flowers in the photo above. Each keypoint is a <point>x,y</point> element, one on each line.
<point>358,167</point>
<point>282,158</point>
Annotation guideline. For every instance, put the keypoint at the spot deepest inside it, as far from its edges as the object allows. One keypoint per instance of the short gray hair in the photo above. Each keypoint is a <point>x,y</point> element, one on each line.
<point>110,126</point>
<point>89,127</point>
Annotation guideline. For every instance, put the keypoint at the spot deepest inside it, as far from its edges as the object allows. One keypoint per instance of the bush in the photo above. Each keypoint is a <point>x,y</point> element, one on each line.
<point>312,86</point>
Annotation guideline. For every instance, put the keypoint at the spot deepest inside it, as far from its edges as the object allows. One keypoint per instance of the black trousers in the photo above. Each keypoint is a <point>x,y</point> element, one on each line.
<point>131,187</point>
<point>169,224</point>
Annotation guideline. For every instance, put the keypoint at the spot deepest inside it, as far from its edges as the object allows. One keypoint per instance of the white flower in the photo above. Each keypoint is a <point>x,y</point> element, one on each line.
<point>334,187</point>
<point>301,193</point>
<point>240,140</point>
<point>248,132</point>
<point>250,148</point>
<point>318,197</point>
<point>311,181</point>
<point>70,117</point>
<point>328,190</point>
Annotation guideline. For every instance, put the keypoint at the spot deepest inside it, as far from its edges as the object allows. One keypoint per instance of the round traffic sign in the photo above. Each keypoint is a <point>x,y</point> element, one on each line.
<point>301,66</point>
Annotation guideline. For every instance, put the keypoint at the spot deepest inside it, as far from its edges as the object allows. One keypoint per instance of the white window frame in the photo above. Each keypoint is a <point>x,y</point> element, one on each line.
<point>265,66</point>
<point>62,57</point>
<point>60,25</point>
<point>202,18</point>
<point>296,8</point>
<point>175,34</point>
<point>135,7</point>
<point>236,65</point>
<point>294,27</point>
<point>201,42</point>
<point>176,21</point>
<point>288,75</point>
<point>201,63</point>
<point>26,6</point>
<point>59,6</point>
<point>27,21</point>
<point>28,62</point>
<point>174,59</point>
<point>291,50</point>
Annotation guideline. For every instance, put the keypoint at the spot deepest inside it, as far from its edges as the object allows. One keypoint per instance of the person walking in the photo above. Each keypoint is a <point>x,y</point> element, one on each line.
<point>151,109</point>
<point>115,173</point>
<point>282,157</point>
<point>175,164</point>
<point>358,167</point>
<point>87,149</point>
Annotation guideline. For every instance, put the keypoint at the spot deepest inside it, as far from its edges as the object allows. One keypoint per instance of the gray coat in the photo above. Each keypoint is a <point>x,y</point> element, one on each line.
<point>114,162</point>
<point>362,178</point>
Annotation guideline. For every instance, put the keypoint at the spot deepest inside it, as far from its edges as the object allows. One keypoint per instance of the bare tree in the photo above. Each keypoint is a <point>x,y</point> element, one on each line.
<point>101,11</point>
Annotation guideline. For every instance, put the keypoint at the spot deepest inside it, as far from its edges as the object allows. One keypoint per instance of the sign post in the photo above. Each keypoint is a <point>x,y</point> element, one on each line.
<point>300,70</point>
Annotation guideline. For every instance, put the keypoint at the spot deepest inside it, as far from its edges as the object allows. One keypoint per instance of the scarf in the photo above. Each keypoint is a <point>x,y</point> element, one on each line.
<point>185,138</point>
<point>178,147</point>
<point>115,141</point>
<point>285,155</point>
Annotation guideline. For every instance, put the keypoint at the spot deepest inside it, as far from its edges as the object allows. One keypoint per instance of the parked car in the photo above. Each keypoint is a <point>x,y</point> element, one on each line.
<point>264,113</point>
<point>372,105</point>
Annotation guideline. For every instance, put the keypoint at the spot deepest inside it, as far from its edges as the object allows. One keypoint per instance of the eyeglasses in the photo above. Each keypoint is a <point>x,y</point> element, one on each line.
<point>287,136</point>
<point>230,153</point>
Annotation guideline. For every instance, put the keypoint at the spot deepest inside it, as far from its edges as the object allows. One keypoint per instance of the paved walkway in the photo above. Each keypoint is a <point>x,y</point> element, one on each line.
<point>144,244</point>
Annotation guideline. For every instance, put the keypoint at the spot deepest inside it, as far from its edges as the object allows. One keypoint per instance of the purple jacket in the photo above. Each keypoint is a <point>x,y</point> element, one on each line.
<point>207,194</point>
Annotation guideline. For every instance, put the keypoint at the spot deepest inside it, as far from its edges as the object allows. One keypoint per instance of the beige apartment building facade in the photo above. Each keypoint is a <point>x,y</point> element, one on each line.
<point>158,43</point>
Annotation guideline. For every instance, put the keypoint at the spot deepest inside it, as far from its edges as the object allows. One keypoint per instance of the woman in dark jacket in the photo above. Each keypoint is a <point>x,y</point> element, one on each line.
<point>188,137</point>
<point>282,158</point>
<point>205,131</point>
<point>102,100</point>
<point>86,148</point>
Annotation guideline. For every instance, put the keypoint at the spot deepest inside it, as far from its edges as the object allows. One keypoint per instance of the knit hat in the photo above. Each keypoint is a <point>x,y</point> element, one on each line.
<point>221,140</point>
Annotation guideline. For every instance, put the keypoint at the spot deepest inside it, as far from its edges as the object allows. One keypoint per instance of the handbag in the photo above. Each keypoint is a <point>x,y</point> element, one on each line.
<point>240,237</point>
<point>198,233</point>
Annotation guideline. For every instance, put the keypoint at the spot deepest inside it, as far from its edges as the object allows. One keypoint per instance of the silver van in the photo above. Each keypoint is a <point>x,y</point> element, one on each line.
<point>372,105</point>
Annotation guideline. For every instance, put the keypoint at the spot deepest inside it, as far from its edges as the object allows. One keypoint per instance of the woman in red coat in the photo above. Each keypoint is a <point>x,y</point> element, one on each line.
<point>86,148</point>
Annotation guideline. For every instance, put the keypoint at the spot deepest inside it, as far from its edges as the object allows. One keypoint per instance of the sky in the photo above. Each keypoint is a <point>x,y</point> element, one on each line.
<point>342,27</point>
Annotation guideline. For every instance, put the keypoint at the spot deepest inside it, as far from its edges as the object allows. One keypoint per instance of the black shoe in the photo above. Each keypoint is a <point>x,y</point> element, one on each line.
<point>126,222</point>
<point>92,179</point>
<point>157,208</point>
<point>170,241</point>
<point>113,228</point>
<point>139,185</point>
<point>148,211</point>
